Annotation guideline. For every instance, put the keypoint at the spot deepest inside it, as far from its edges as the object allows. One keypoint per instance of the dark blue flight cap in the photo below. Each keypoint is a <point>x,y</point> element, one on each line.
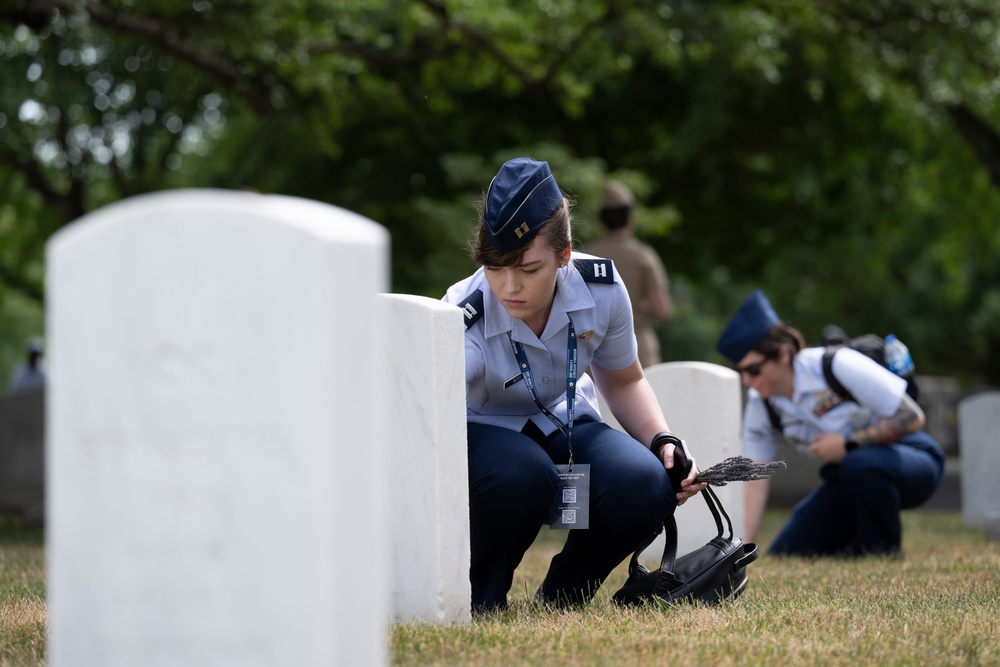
<point>748,325</point>
<point>521,198</point>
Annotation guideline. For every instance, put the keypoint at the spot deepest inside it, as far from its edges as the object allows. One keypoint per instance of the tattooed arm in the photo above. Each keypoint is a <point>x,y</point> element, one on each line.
<point>908,418</point>
<point>833,447</point>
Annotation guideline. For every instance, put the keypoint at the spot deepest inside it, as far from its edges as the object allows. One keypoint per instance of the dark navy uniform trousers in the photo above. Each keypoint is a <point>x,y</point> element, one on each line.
<point>856,510</point>
<point>512,485</point>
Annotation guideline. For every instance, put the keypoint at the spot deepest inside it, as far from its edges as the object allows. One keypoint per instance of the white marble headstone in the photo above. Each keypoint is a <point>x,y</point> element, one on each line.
<point>214,451</point>
<point>428,459</point>
<point>979,450</point>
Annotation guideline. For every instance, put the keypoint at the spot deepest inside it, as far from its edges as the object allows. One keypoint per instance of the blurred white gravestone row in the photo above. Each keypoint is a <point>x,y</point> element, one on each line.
<point>215,467</point>
<point>979,446</point>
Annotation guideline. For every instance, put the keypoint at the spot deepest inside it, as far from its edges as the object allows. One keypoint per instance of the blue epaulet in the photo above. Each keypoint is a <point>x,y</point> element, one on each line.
<point>472,307</point>
<point>596,270</point>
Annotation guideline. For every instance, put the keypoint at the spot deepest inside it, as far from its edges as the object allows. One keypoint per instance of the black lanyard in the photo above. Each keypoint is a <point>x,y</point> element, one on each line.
<point>529,382</point>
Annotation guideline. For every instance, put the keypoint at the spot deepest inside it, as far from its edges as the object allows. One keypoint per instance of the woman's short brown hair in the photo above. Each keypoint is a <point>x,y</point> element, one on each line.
<point>781,335</point>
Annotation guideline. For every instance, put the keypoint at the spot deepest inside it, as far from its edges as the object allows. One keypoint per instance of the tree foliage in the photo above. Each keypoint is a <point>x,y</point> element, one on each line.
<point>841,155</point>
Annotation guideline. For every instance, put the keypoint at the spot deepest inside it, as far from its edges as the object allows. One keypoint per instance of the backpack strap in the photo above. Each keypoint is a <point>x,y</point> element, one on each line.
<point>773,415</point>
<point>831,379</point>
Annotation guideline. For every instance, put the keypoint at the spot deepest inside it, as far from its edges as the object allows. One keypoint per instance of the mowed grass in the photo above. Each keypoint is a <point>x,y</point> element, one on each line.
<point>939,605</point>
<point>22,595</point>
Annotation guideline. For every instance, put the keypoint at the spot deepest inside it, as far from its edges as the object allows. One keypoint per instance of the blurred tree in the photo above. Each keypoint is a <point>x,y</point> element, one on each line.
<point>841,155</point>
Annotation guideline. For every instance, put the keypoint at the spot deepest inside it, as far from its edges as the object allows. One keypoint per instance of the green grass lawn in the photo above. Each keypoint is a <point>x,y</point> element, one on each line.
<point>940,605</point>
<point>22,595</point>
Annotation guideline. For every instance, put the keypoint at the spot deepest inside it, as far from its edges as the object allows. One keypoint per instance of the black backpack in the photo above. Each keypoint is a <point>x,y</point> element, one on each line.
<point>870,345</point>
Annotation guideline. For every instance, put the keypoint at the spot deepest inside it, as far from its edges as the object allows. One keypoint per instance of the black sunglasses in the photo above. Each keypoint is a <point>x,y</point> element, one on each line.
<point>753,370</point>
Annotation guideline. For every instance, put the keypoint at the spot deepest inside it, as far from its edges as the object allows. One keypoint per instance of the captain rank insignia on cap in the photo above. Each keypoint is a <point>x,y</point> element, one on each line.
<point>520,200</point>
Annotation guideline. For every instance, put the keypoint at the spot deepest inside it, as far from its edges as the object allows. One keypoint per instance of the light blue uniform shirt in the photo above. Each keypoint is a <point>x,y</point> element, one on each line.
<point>495,392</point>
<point>814,408</point>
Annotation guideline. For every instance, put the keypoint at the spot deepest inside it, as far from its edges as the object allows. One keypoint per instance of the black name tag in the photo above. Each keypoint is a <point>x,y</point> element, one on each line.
<point>514,380</point>
<point>571,509</point>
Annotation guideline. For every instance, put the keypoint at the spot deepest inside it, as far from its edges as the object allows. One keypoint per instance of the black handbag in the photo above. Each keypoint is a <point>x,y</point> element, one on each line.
<point>709,574</point>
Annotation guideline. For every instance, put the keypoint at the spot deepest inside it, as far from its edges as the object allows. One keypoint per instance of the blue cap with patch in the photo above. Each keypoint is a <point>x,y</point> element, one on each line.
<point>521,198</point>
<point>748,325</point>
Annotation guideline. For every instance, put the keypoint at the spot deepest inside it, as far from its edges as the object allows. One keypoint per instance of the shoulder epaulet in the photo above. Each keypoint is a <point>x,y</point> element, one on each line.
<point>472,307</point>
<point>596,270</point>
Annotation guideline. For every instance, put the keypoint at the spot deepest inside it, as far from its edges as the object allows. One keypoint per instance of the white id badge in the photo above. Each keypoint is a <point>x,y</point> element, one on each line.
<point>571,508</point>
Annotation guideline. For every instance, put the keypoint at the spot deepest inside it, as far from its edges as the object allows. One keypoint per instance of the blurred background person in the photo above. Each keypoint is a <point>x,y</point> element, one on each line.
<point>639,266</point>
<point>29,375</point>
<point>877,457</point>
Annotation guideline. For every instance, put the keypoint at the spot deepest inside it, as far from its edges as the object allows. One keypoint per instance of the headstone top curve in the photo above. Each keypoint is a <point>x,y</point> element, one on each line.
<point>320,219</point>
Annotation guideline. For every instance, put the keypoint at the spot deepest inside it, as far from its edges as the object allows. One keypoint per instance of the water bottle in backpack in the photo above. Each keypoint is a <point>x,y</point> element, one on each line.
<point>897,356</point>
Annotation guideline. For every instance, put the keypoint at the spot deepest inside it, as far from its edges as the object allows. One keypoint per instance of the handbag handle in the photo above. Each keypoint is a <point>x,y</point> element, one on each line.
<point>718,511</point>
<point>670,529</point>
<point>669,559</point>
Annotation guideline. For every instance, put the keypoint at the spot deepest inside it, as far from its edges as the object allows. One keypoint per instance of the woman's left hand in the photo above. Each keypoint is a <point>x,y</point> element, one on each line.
<point>829,447</point>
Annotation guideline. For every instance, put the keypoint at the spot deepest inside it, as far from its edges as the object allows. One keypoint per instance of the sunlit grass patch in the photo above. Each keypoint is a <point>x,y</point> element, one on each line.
<point>22,595</point>
<point>937,605</point>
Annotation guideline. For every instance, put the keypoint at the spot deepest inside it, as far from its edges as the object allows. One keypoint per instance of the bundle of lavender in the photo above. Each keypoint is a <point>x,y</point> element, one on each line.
<point>738,469</point>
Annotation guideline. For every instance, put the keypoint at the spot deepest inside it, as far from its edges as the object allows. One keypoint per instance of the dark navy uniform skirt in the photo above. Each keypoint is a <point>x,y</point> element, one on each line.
<point>856,510</point>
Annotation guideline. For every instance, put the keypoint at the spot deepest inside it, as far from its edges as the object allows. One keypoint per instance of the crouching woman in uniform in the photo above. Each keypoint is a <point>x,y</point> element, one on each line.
<point>537,315</point>
<point>877,460</point>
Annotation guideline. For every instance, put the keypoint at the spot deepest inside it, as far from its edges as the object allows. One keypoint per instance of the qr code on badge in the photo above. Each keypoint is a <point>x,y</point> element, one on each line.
<point>569,516</point>
<point>569,495</point>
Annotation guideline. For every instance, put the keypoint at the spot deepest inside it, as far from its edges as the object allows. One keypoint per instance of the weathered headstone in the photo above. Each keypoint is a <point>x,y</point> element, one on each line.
<point>428,459</point>
<point>215,467</point>
<point>979,449</point>
<point>702,404</point>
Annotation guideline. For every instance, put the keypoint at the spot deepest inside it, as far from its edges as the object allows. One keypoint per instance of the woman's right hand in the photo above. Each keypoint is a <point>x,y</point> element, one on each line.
<point>688,487</point>
<point>681,469</point>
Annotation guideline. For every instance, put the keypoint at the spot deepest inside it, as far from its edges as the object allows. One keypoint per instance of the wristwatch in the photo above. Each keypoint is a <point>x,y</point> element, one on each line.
<point>850,445</point>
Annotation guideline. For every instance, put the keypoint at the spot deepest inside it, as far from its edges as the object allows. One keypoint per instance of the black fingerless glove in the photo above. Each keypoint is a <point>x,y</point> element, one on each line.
<point>682,464</point>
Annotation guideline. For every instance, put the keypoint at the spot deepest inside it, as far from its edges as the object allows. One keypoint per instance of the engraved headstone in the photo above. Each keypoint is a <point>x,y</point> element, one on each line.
<point>215,483</point>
